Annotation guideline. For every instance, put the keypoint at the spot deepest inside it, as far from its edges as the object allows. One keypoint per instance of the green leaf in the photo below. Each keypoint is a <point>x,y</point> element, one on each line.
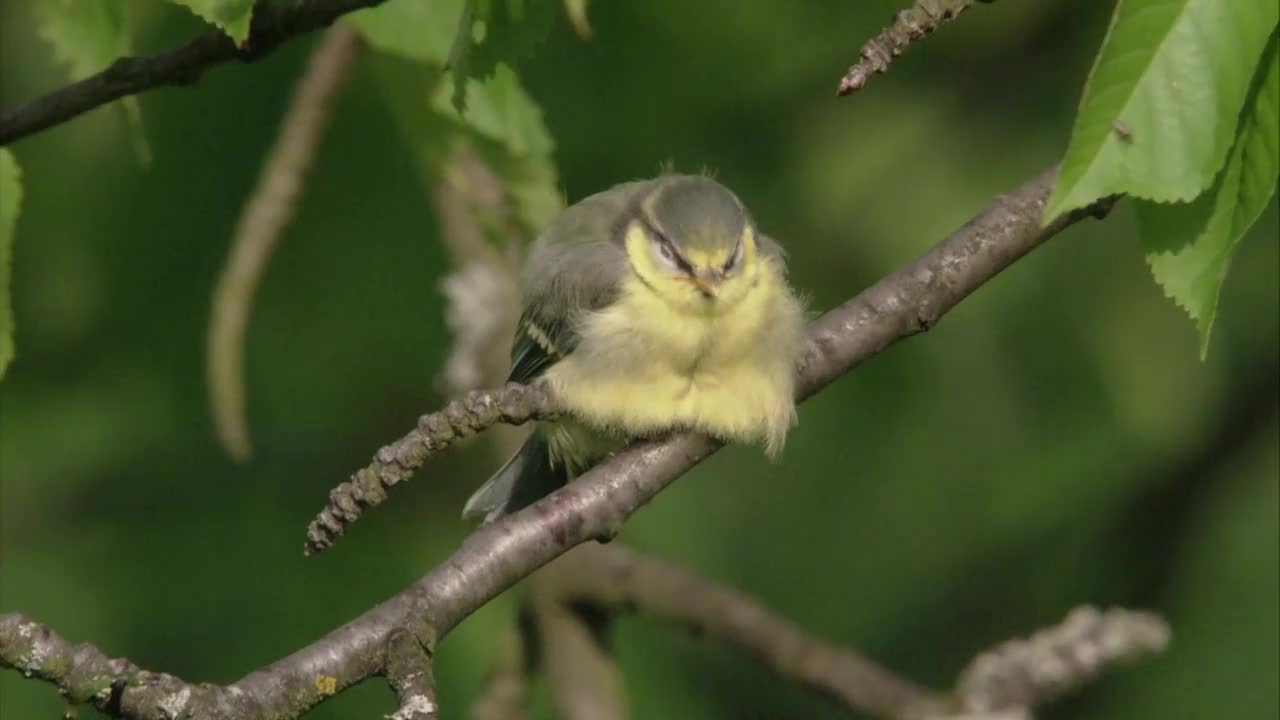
<point>87,36</point>
<point>501,123</point>
<point>1161,105</point>
<point>468,37</point>
<point>520,146</point>
<point>1189,245</point>
<point>10,204</point>
<point>509,31</point>
<point>500,110</point>
<point>420,30</point>
<point>459,62</point>
<point>231,16</point>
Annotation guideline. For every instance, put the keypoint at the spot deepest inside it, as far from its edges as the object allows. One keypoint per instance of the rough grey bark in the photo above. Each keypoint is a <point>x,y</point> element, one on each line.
<point>922,18</point>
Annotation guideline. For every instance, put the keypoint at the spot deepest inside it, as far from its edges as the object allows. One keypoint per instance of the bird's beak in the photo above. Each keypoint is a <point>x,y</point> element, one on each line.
<point>708,282</point>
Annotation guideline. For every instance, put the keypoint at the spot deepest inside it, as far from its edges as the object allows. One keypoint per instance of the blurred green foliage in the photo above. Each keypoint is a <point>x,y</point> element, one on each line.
<point>1055,441</point>
<point>10,206</point>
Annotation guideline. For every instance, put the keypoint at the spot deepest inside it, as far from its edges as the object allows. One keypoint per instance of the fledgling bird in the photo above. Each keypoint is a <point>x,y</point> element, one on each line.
<point>650,307</point>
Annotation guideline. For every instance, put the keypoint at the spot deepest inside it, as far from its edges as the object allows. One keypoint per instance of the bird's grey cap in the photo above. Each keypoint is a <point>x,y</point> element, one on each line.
<point>694,211</point>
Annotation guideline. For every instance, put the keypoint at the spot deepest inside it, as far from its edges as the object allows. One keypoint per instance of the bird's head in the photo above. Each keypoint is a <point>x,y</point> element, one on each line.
<point>692,242</point>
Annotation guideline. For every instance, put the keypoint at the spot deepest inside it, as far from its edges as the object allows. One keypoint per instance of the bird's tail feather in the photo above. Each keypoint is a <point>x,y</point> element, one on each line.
<point>525,478</point>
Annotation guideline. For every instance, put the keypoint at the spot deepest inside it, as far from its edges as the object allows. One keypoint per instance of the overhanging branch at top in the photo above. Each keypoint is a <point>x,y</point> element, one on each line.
<point>273,25</point>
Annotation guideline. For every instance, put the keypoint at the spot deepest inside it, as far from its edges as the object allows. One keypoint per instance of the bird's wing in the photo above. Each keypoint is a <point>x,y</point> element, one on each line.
<point>575,267</point>
<point>540,343</point>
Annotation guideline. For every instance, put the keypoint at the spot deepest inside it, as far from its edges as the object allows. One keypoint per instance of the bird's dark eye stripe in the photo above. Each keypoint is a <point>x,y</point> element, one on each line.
<point>680,261</point>
<point>733,259</point>
<point>674,254</point>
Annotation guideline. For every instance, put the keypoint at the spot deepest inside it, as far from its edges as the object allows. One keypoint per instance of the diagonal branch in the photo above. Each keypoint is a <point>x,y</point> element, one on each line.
<point>273,25</point>
<point>1006,681</point>
<point>499,554</point>
<point>573,636</point>
<point>506,690</point>
<point>922,18</point>
<point>618,578</point>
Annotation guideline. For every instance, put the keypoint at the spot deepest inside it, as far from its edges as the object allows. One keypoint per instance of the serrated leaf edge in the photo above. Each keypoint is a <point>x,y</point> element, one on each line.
<point>239,37</point>
<point>1057,204</point>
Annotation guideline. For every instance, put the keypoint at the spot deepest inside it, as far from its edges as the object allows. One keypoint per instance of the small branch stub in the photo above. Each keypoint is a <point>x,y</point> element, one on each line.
<point>410,674</point>
<point>394,463</point>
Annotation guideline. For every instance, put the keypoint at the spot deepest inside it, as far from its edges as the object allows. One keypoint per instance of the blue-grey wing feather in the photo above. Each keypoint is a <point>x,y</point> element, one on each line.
<point>575,266</point>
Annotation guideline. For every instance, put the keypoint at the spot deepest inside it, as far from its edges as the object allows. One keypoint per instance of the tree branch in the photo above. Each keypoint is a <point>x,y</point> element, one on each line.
<point>83,673</point>
<point>1025,673</point>
<point>909,25</point>
<point>475,412</point>
<point>1006,681</point>
<point>506,690</point>
<point>273,24</point>
<point>499,554</point>
<point>572,629</point>
<point>618,578</point>
<point>906,302</point>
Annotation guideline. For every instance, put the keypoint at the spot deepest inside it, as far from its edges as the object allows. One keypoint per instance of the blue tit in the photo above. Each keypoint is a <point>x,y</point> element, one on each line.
<point>651,307</point>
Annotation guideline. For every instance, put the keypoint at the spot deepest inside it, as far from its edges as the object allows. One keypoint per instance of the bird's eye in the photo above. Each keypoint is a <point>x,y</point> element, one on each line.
<point>667,257</point>
<point>733,259</point>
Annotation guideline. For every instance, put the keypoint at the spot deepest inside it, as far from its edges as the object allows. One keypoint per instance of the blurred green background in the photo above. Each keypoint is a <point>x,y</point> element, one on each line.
<point>1055,441</point>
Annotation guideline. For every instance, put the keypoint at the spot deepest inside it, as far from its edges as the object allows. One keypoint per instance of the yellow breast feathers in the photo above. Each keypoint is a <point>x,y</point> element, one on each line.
<point>644,365</point>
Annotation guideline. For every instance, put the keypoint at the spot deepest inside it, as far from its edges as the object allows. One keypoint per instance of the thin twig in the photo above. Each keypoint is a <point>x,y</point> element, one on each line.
<point>506,691</point>
<point>1025,673</point>
<point>922,18</point>
<point>269,209</point>
<point>273,24</point>
<point>619,578</point>
<point>586,683</point>
<point>499,554</point>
